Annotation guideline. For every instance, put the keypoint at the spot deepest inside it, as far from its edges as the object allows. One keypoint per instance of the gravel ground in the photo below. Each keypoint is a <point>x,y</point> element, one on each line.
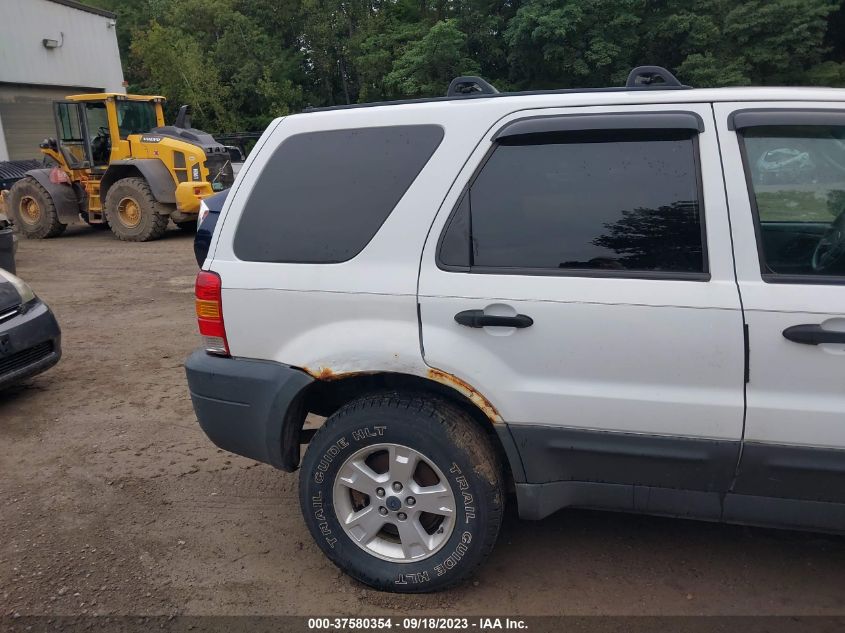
<point>112,501</point>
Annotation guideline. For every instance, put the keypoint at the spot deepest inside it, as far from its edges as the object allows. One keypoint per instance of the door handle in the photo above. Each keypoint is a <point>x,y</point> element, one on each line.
<point>477,318</point>
<point>813,334</point>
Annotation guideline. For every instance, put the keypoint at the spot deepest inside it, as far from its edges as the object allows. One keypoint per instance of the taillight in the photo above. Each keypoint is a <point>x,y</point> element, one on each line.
<point>209,302</point>
<point>203,212</point>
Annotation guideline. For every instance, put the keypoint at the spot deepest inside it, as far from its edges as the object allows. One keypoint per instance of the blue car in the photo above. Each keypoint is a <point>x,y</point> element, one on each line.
<point>209,212</point>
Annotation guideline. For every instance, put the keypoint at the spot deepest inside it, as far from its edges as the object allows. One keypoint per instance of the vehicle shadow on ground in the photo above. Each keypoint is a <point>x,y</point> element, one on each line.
<point>644,557</point>
<point>582,562</point>
<point>614,527</point>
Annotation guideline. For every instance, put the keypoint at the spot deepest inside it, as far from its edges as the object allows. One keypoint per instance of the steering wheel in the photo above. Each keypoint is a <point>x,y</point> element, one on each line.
<point>101,145</point>
<point>831,247</point>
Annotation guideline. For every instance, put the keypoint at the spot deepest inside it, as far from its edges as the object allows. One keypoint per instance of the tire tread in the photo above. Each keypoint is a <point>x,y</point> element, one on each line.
<point>159,219</point>
<point>53,228</point>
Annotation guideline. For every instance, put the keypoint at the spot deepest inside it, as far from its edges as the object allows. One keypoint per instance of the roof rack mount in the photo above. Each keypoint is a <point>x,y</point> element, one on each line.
<point>652,77</point>
<point>470,86</point>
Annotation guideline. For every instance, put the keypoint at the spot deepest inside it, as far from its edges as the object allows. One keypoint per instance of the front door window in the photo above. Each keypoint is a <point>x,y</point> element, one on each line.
<point>797,177</point>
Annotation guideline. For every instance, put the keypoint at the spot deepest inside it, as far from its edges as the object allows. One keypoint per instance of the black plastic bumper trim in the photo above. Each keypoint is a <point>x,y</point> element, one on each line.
<point>245,406</point>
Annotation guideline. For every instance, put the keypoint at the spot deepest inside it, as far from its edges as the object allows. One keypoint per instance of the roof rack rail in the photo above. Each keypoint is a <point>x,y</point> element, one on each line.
<point>469,85</point>
<point>652,77</point>
<point>642,78</point>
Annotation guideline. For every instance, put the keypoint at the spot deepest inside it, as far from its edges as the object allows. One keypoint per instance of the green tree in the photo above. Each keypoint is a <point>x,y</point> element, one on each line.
<point>723,43</point>
<point>429,64</point>
<point>777,40</point>
<point>242,62</point>
<point>686,37</point>
<point>485,23</point>
<point>176,65</point>
<point>235,61</point>
<point>381,41</point>
<point>329,32</point>
<point>565,43</point>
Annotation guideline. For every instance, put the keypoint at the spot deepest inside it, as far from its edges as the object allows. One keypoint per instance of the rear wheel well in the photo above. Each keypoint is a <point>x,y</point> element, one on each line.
<point>324,397</point>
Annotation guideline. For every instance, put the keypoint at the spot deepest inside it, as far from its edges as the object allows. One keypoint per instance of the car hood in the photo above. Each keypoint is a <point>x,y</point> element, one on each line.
<point>9,297</point>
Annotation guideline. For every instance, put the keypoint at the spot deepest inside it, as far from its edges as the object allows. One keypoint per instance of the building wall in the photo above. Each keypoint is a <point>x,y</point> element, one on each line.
<point>87,55</point>
<point>32,76</point>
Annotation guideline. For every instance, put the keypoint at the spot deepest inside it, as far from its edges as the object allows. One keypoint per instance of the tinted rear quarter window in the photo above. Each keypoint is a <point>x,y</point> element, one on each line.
<point>322,196</point>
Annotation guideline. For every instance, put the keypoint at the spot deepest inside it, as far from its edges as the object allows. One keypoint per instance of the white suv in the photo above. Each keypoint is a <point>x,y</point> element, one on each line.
<point>628,299</point>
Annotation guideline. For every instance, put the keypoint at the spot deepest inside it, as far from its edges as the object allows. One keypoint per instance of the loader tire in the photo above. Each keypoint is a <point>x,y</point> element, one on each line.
<point>33,211</point>
<point>133,213</point>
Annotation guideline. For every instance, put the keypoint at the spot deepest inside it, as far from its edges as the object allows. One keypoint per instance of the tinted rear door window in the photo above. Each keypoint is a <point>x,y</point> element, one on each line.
<point>612,201</point>
<point>323,195</point>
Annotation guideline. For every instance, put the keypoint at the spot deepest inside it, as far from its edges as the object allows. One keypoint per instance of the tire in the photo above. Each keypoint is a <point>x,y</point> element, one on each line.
<point>378,429</point>
<point>189,226</point>
<point>133,213</point>
<point>33,211</point>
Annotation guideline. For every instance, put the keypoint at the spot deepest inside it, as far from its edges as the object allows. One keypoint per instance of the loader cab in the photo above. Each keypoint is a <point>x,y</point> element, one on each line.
<point>93,129</point>
<point>137,117</point>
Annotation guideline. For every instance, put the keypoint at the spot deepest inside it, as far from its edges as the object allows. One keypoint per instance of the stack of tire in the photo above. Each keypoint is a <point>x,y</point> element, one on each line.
<point>10,173</point>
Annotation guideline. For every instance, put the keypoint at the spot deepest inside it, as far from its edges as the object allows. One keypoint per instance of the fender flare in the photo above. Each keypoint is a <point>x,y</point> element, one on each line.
<point>64,197</point>
<point>154,172</point>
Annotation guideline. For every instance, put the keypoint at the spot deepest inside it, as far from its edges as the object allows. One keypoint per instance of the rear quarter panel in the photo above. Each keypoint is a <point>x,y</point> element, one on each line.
<point>359,315</point>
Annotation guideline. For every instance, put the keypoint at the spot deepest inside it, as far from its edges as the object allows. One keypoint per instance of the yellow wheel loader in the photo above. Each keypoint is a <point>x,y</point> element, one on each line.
<point>115,163</point>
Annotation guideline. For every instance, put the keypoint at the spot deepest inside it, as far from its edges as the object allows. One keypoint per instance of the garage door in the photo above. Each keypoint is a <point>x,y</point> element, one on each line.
<point>26,114</point>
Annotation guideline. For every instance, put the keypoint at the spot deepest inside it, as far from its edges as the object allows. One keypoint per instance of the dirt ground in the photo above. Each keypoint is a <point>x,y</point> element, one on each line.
<point>112,501</point>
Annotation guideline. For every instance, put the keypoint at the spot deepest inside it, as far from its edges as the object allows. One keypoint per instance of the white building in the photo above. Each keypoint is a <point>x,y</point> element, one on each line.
<point>50,49</point>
